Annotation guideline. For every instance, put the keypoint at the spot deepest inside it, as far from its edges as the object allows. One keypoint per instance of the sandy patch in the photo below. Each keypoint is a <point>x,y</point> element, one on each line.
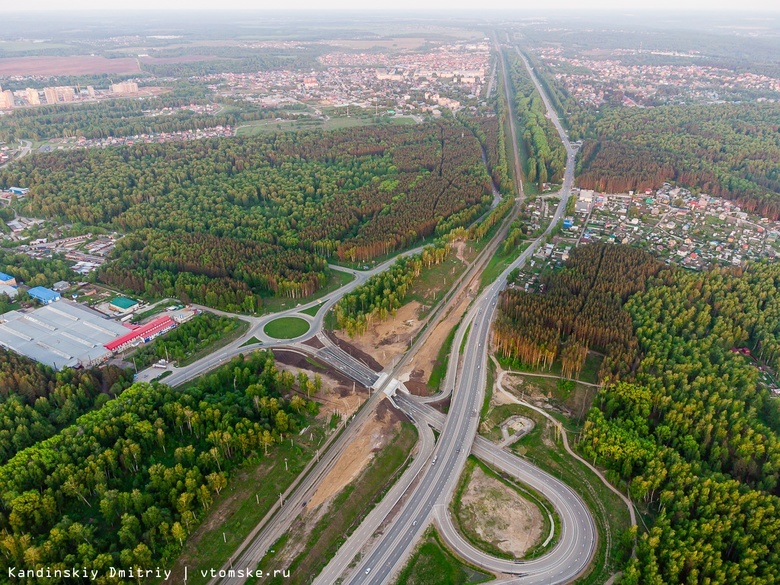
<point>426,358</point>
<point>499,515</point>
<point>387,340</point>
<point>374,435</point>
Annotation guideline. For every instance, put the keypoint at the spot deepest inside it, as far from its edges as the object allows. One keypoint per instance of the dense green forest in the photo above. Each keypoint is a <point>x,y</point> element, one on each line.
<point>36,402</point>
<point>126,484</point>
<point>186,340</point>
<point>260,212</point>
<point>384,293</point>
<point>121,117</point>
<point>682,424</point>
<point>694,437</point>
<point>728,150</point>
<point>545,156</point>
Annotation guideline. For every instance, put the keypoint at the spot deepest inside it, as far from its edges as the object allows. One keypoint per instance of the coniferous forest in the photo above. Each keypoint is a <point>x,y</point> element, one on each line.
<point>683,423</point>
<point>227,221</point>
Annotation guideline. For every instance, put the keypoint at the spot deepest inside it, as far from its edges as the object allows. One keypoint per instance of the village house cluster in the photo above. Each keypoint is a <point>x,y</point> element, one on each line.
<point>592,80</point>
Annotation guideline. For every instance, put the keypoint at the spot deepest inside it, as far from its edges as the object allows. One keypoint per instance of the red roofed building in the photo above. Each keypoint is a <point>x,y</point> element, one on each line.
<point>142,334</point>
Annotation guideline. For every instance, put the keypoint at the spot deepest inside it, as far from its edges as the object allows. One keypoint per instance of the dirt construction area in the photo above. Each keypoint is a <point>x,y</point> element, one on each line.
<point>374,435</point>
<point>387,340</point>
<point>499,515</point>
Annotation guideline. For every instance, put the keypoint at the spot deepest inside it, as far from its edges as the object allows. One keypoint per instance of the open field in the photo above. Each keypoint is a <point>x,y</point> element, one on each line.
<point>75,65</point>
<point>433,564</point>
<point>262,126</point>
<point>495,517</point>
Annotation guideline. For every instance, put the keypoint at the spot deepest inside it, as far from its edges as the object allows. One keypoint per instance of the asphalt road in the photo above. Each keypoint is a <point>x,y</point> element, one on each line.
<point>257,325</point>
<point>578,536</point>
<point>435,488</point>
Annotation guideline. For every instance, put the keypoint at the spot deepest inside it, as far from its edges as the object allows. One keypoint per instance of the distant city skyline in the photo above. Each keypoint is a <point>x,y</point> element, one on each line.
<point>399,5</point>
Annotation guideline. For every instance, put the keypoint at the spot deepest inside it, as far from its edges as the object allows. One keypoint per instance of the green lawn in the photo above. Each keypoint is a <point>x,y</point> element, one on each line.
<point>263,126</point>
<point>433,564</point>
<point>499,262</point>
<point>251,341</point>
<point>312,311</point>
<point>439,370</point>
<point>286,328</point>
<point>434,282</point>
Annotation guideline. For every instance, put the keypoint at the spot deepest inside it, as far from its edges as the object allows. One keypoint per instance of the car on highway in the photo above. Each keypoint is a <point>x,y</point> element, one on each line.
<point>368,570</point>
<point>434,461</point>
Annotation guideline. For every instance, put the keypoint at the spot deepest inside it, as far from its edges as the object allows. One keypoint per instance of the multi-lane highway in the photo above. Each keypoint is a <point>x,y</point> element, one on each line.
<point>433,492</point>
<point>438,474</point>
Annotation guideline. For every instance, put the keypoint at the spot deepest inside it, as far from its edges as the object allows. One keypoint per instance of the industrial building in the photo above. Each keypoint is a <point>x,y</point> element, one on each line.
<point>7,279</point>
<point>142,334</point>
<point>61,335</point>
<point>44,295</point>
<point>8,291</point>
<point>123,305</point>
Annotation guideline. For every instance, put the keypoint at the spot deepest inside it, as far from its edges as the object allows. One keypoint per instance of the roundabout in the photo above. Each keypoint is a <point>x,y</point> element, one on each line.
<point>286,328</point>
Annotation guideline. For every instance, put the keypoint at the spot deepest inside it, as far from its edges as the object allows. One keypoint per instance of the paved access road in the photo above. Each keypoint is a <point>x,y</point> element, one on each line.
<point>435,489</point>
<point>257,325</point>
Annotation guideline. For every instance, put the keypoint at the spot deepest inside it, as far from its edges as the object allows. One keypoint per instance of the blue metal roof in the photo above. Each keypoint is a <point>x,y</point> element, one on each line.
<point>4,277</point>
<point>43,294</point>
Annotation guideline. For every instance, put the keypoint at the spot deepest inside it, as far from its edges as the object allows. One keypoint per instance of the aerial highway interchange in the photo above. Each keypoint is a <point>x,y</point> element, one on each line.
<point>425,489</point>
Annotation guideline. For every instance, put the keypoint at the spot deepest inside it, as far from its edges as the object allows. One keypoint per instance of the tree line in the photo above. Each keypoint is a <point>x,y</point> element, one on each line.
<point>384,293</point>
<point>545,156</point>
<point>580,309</point>
<point>267,210</point>
<point>36,402</point>
<point>118,118</point>
<point>727,150</point>
<point>186,340</point>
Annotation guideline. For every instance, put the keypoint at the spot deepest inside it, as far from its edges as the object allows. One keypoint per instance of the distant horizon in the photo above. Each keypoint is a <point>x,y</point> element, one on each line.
<point>615,7</point>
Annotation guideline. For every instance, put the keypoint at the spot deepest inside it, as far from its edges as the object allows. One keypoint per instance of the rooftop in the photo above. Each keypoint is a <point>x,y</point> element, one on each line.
<point>61,335</point>
<point>124,302</point>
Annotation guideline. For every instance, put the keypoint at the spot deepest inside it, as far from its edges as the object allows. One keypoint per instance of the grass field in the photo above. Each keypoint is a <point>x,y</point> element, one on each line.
<point>264,126</point>
<point>433,564</point>
<point>312,311</point>
<point>286,328</point>
<point>252,340</point>
<point>346,512</point>
<point>439,370</point>
<point>499,262</point>
<point>240,507</point>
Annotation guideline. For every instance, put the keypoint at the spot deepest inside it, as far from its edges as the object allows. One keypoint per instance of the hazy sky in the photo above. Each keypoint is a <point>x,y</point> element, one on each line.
<point>396,5</point>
